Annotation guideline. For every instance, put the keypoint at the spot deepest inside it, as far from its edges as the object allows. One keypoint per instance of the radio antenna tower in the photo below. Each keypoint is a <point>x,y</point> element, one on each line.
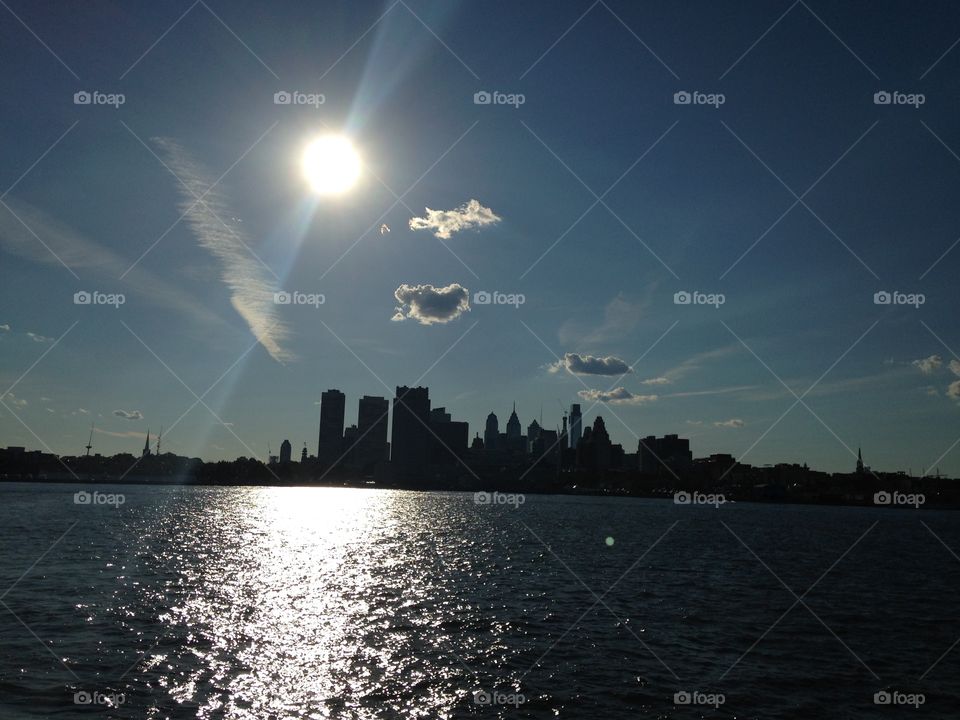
<point>89,445</point>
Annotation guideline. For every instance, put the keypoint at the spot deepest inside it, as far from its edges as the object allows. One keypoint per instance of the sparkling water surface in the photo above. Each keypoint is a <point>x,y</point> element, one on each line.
<point>260,603</point>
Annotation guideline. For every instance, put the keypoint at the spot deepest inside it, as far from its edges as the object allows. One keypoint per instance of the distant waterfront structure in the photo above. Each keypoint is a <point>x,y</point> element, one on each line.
<point>146,446</point>
<point>285,451</point>
<point>303,454</point>
<point>860,466</point>
<point>411,438</point>
<point>576,425</point>
<point>330,439</point>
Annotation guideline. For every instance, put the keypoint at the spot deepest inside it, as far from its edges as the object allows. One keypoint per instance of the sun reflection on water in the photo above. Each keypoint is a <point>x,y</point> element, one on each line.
<point>316,602</point>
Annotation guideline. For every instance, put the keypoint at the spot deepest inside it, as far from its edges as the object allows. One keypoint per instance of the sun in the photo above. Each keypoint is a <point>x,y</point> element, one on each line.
<point>331,165</point>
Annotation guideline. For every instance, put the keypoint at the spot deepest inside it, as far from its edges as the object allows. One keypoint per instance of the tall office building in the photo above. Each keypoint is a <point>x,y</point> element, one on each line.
<point>576,425</point>
<point>286,449</point>
<point>448,438</point>
<point>332,403</point>
<point>410,438</point>
<point>372,421</point>
<point>491,433</point>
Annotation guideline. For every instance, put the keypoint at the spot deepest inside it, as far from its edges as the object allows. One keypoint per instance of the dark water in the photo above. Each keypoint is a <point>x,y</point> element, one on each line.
<point>314,603</point>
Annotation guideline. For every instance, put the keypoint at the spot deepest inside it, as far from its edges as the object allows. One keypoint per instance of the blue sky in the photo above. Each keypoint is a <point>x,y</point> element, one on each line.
<point>701,201</point>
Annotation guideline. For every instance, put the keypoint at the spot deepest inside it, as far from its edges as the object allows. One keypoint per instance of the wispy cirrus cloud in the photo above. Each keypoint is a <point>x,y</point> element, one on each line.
<point>251,286</point>
<point>617,396</point>
<point>590,365</point>
<point>428,304</point>
<point>444,223</point>
<point>36,337</point>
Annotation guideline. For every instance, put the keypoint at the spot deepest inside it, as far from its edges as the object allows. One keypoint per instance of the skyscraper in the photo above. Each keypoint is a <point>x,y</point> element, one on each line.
<point>372,420</point>
<point>410,439</point>
<point>330,439</point>
<point>576,425</point>
<point>491,433</point>
<point>285,450</point>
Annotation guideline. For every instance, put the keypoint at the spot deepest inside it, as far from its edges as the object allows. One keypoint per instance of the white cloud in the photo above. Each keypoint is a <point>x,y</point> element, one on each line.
<point>39,338</point>
<point>15,401</point>
<point>129,414</point>
<point>590,365</point>
<point>428,304</point>
<point>656,381</point>
<point>953,390</point>
<point>928,365</point>
<point>955,367</point>
<point>250,283</point>
<point>617,396</point>
<point>694,422</point>
<point>444,223</point>
<point>5,328</point>
<point>731,423</point>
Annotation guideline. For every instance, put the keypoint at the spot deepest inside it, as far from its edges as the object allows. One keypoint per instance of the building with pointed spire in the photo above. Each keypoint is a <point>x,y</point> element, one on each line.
<point>146,446</point>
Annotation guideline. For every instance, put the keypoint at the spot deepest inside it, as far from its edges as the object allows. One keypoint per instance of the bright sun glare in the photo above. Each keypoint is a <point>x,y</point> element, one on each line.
<point>331,165</point>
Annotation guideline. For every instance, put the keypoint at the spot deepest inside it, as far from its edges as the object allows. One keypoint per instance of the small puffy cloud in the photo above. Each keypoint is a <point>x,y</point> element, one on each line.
<point>617,396</point>
<point>928,365</point>
<point>129,414</point>
<point>735,423</point>
<point>4,328</point>
<point>83,411</point>
<point>428,304</point>
<point>444,223</point>
<point>12,399</point>
<point>590,365</point>
<point>656,381</point>
<point>39,338</point>
<point>694,422</point>
<point>931,390</point>
<point>955,367</point>
<point>953,390</point>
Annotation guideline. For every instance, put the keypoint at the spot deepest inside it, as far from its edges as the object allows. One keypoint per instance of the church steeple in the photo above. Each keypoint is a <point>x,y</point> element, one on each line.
<point>859,461</point>
<point>146,445</point>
